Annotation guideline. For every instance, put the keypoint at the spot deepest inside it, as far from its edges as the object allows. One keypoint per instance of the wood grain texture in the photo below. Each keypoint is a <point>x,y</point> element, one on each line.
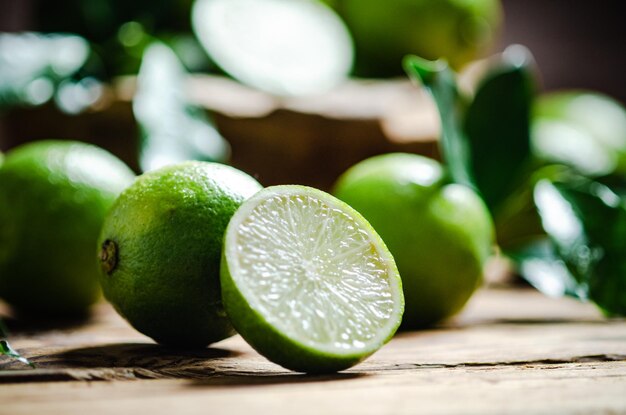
<point>509,352</point>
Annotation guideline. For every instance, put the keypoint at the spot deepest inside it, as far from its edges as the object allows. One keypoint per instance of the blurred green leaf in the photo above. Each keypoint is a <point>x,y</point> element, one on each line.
<point>486,143</point>
<point>440,81</point>
<point>586,221</point>
<point>486,140</point>
<point>496,126</point>
<point>7,350</point>
<point>172,129</point>
<point>539,263</point>
<point>32,65</point>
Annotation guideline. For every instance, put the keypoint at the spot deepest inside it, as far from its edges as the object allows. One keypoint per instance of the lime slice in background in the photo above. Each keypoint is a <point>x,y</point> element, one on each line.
<point>286,47</point>
<point>307,281</point>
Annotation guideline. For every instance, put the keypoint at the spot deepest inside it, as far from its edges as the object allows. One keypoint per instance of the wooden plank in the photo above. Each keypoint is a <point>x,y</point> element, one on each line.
<point>581,388</point>
<point>509,352</point>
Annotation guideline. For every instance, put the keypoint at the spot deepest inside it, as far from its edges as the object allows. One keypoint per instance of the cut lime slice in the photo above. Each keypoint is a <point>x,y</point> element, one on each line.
<point>286,47</point>
<point>307,281</point>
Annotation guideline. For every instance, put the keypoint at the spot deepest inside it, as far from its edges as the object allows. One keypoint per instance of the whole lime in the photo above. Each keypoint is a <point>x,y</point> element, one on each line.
<point>161,246</point>
<point>53,198</point>
<point>582,129</point>
<point>385,31</point>
<point>439,234</point>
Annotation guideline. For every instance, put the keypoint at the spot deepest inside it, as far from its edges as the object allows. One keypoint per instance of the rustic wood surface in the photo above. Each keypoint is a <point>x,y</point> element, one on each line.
<point>510,351</point>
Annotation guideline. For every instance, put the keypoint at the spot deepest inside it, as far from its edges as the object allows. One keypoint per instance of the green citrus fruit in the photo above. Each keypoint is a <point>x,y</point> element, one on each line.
<point>161,246</point>
<point>307,281</point>
<point>290,47</point>
<point>385,31</point>
<point>440,234</point>
<point>53,198</point>
<point>583,129</point>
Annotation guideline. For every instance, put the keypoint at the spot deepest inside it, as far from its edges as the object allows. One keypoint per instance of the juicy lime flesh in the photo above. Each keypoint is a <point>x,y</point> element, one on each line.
<point>313,272</point>
<point>284,47</point>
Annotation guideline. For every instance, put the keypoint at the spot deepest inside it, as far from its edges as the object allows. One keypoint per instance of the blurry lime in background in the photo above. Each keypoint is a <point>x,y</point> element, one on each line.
<point>161,246</point>
<point>583,129</point>
<point>283,47</point>
<point>439,234</point>
<point>53,198</point>
<point>384,31</point>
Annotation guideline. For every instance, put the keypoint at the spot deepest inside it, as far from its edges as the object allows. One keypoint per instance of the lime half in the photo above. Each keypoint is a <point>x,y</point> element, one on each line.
<point>307,281</point>
<point>285,47</point>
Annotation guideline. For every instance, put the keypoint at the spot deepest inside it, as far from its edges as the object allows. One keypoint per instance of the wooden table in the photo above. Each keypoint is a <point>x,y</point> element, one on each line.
<point>511,351</point>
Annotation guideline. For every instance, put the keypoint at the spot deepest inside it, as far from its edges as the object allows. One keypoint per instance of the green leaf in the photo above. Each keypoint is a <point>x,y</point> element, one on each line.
<point>496,126</point>
<point>517,220</point>
<point>586,221</point>
<point>172,129</point>
<point>539,263</point>
<point>32,65</point>
<point>486,143</point>
<point>440,81</point>
<point>7,350</point>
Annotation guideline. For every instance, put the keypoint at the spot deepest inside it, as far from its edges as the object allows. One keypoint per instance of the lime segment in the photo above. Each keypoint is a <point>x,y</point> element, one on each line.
<point>285,47</point>
<point>307,281</point>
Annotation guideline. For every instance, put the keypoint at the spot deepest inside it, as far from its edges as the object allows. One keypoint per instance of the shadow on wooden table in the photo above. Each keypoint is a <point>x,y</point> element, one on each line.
<point>211,367</point>
<point>123,361</point>
<point>33,324</point>
<point>147,360</point>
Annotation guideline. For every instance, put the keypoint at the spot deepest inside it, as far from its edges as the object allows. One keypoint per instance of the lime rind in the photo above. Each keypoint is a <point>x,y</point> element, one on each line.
<point>284,47</point>
<point>161,249</point>
<point>307,281</point>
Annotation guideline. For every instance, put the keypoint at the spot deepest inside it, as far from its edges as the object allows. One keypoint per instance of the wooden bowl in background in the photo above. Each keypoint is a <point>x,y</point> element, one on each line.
<point>304,140</point>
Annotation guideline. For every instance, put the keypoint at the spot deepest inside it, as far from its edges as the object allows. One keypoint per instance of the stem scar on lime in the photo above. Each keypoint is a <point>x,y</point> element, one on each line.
<point>108,256</point>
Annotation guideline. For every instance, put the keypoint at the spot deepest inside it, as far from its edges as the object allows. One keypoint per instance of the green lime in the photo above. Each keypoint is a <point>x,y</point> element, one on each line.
<point>583,129</point>
<point>440,234</point>
<point>161,246</point>
<point>284,47</point>
<point>53,198</point>
<point>385,31</point>
<point>307,281</point>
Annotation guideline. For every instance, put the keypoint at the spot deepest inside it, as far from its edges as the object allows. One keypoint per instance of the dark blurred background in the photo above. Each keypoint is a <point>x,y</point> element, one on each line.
<point>577,44</point>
